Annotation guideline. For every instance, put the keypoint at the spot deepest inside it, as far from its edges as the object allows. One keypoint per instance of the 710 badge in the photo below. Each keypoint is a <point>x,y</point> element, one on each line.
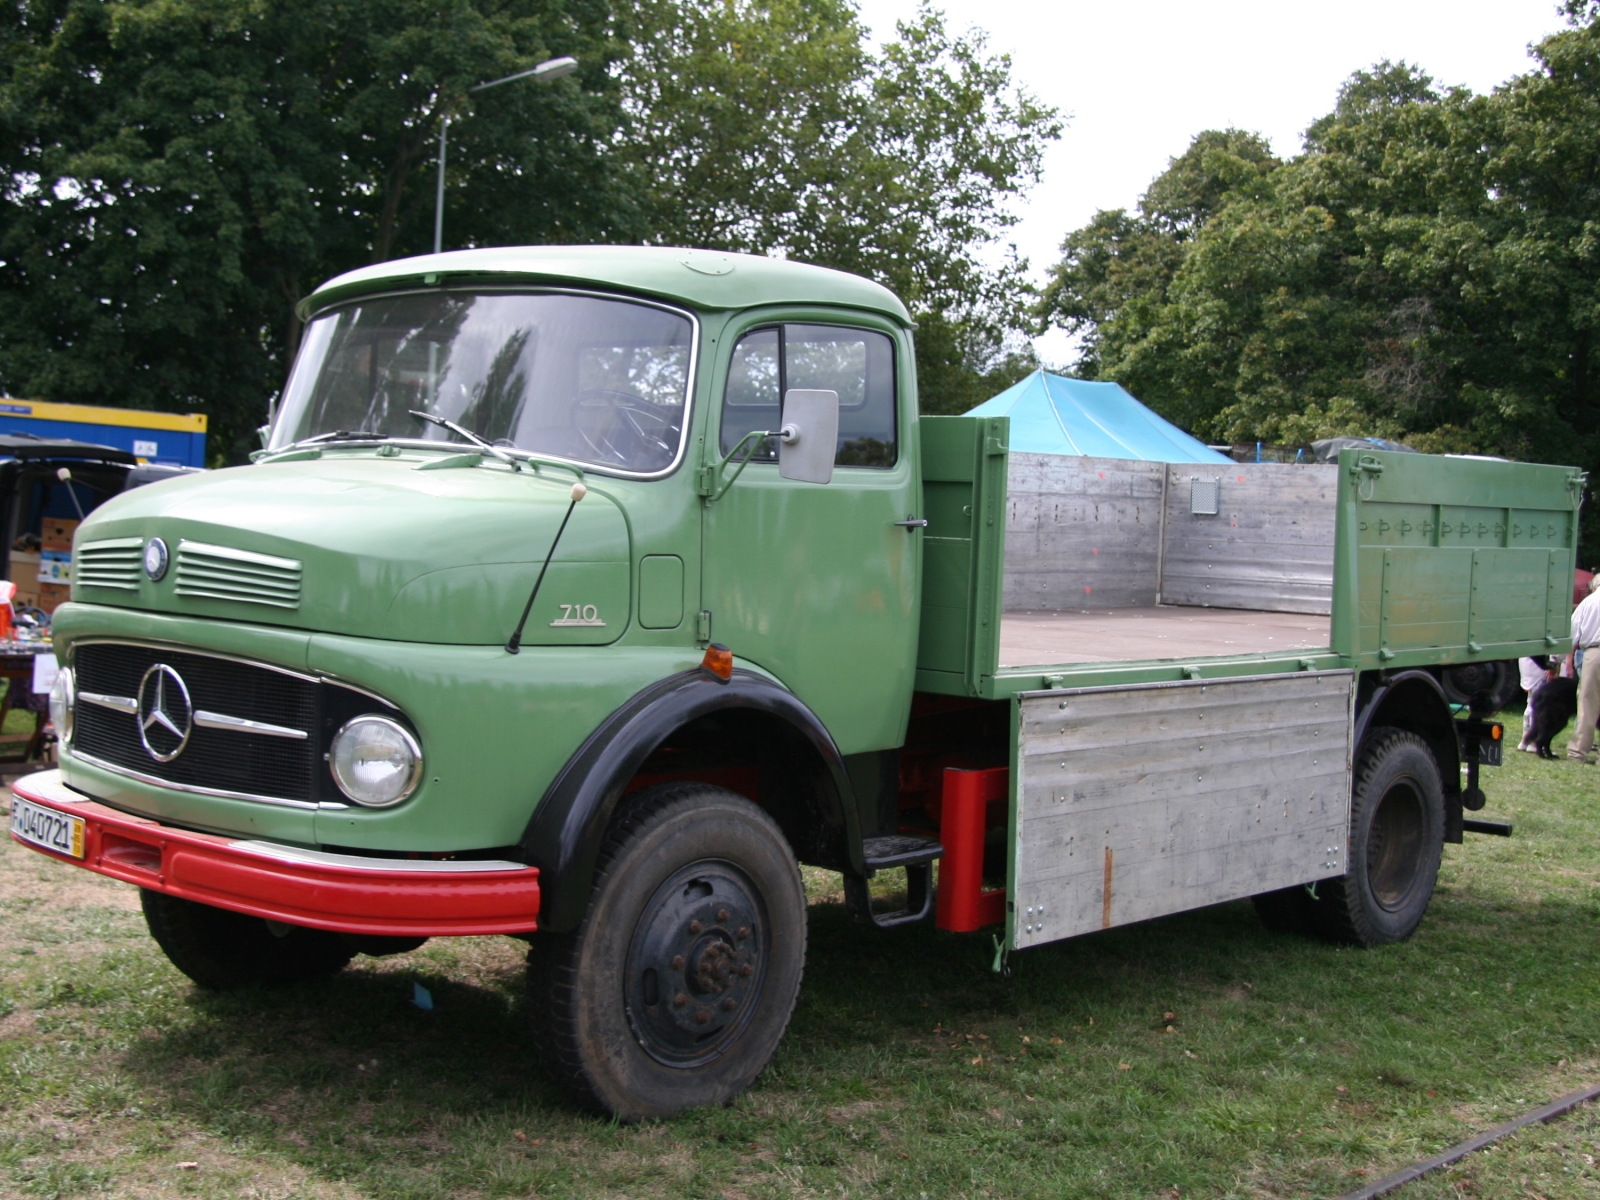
<point>45,827</point>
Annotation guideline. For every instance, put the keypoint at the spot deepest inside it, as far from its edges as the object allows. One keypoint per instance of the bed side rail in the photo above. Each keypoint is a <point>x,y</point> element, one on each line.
<point>963,551</point>
<point>1445,560</point>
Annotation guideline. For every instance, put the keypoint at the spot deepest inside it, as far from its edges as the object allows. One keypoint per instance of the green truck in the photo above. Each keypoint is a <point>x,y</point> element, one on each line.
<point>582,593</point>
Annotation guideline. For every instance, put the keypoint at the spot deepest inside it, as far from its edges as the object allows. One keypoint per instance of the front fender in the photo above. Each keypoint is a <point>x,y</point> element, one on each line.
<point>564,836</point>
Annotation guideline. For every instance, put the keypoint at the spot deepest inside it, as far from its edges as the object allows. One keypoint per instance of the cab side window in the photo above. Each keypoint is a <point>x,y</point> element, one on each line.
<point>856,363</point>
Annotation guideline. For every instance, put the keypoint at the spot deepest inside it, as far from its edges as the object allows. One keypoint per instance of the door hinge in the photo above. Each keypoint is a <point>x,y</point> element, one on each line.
<point>705,481</point>
<point>702,626</point>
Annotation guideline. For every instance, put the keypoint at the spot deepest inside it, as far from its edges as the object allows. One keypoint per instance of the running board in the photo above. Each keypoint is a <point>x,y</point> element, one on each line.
<point>884,853</point>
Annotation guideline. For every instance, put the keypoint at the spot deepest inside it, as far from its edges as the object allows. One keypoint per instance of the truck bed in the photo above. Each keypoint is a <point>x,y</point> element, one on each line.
<point>1142,634</point>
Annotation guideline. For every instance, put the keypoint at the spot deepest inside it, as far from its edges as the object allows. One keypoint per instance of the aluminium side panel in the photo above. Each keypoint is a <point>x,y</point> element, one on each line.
<point>1083,533</point>
<point>1268,547</point>
<point>1135,802</point>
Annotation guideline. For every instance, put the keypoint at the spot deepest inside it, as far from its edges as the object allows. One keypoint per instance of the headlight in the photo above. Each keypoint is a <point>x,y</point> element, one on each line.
<point>63,697</point>
<point>375,761</point>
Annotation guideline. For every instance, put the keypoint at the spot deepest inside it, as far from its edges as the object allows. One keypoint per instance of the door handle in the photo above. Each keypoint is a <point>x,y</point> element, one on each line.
<point>911,523</point>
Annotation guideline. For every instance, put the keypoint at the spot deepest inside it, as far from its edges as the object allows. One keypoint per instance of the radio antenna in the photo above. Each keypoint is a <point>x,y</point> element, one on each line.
<point>515,644</point>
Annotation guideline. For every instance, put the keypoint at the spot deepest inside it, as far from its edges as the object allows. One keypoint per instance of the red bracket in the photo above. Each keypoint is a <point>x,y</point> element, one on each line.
<point>971,803</point>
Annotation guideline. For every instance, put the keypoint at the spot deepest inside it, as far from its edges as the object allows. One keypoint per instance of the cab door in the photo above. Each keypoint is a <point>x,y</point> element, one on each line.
<point>818,583</point>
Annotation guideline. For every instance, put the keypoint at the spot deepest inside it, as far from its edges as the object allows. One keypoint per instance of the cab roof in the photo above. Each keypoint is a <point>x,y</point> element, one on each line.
<point>704,279</point>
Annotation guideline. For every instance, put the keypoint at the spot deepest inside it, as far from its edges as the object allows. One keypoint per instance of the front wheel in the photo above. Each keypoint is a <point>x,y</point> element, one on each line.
<point>221,950</point>
<point>676,988</point>
<point>1396,843</point>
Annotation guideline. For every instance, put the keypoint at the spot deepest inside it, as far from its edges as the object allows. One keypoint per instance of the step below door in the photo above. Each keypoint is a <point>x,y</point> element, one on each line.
<point>1135,802</point>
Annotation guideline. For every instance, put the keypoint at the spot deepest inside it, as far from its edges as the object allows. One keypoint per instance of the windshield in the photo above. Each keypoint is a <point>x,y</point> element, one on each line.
<point>580,377</point>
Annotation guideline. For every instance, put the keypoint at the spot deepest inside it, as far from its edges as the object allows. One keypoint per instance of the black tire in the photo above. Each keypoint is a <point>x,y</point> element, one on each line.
<point>222,950</point>
<point>1396,842</point>
<point>1287,910</point>
<point>676,988</point>
<point>1498,682</point>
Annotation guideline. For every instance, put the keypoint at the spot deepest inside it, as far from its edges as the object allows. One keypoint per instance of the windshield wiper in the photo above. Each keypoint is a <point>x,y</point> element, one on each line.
<point>475,439</point>
<point>338,435</point>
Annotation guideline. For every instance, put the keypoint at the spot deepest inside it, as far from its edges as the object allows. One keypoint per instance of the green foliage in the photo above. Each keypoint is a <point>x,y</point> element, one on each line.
<point>766,126</point>
<point>1119,267</point>
<point>1426,269</point>
<point>181,172</point>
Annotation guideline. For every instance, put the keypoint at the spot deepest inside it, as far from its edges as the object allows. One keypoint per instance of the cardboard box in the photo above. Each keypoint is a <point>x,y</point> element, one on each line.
<point>56,533</point>
<point>52,594</point>
<point>55,566</point>
<point>25,573</point>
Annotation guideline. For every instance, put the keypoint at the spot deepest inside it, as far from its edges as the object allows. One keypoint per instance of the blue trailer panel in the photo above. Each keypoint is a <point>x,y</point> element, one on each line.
<point>170,439</point>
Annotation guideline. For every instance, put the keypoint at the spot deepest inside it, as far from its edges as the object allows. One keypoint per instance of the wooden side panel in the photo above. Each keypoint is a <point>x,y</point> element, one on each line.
<point>1082,533</point>
<point>1136,802</point>
<point>1270,547</point>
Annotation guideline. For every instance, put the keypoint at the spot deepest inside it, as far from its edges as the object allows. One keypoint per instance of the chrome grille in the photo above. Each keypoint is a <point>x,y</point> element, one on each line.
<point>223,573</point>
<point>112,563</point>
<point>218,759</point>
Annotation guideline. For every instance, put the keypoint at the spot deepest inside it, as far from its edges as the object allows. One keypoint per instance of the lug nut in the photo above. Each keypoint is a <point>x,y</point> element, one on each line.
<point>694,926</point>
<point>746,969</point>
<point>744,932</point>
<point>730,1004</point>
<point>677,963</point>
<point>680,1000</point>
<point>722,914</point>
<point>702,1017</point>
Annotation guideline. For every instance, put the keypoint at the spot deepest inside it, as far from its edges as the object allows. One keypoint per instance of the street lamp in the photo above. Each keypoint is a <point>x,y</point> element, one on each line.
<point>554,68</point>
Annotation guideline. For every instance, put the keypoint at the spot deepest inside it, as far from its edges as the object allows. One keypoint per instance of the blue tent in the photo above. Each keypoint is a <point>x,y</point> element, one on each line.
<point>1051,414</point>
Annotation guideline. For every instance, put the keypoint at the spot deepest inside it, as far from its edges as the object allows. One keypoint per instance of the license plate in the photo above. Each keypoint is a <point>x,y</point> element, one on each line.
<point>47,828</point>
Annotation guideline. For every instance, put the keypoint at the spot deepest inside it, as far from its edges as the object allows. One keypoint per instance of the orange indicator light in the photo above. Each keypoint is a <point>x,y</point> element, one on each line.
<point>719,661</point>
<point>1496,732</point>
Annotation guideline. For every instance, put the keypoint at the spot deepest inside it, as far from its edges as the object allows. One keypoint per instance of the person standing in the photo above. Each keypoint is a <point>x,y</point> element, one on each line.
<point>1586,637</point>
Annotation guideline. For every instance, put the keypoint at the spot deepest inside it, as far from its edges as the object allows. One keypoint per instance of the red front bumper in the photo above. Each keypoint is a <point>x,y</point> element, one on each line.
<point>342,892</point>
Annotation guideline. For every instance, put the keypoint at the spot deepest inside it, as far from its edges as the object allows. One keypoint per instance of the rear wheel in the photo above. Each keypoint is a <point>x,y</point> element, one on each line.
<point>219,949</point>
<point>1396,843</point>
<point>676,989</point>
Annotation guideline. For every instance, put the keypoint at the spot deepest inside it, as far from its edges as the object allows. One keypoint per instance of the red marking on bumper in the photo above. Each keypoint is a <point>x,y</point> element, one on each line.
<point>343,893</point>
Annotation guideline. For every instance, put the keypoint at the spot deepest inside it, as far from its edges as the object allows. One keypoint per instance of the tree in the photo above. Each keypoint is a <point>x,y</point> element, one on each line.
<point>1116,271</point>
<point>181,172</point>
<point>1426,269</point>
<point>766,126</point>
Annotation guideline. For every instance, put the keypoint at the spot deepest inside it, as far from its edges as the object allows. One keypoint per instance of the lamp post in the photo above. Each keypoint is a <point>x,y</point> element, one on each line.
<point>554,68</point>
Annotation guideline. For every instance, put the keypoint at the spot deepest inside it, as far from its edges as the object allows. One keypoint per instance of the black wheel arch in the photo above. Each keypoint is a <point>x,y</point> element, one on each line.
<point>804,783</point>
<point>1414,700</point>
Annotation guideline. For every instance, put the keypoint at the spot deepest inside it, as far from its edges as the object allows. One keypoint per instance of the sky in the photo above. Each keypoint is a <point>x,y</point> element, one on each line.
<point>1138,81</point>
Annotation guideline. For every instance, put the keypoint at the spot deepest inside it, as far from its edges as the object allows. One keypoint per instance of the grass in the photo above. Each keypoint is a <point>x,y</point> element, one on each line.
<point>1192,1056</point>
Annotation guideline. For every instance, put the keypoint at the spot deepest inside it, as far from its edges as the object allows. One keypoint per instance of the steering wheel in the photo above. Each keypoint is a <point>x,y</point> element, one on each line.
<point>603,416</point>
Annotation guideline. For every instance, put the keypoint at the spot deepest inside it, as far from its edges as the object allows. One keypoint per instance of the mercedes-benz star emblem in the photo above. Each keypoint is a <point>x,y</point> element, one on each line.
<point>166,717</point>
<point>155,558</point>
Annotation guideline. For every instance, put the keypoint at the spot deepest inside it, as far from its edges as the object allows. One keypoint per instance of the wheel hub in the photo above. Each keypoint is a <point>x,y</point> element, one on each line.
<point>695,965</point>
<point>1395,846</point>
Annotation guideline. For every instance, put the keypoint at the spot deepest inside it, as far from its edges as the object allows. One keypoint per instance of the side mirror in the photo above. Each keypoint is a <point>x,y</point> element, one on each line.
<point>809,438</point>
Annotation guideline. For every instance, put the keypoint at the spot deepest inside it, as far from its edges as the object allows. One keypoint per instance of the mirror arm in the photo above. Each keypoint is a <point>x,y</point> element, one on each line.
<point>714,493</point>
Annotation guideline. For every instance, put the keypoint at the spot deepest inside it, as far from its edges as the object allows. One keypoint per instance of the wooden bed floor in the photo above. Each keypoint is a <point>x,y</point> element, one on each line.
<point>1029,639</point>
